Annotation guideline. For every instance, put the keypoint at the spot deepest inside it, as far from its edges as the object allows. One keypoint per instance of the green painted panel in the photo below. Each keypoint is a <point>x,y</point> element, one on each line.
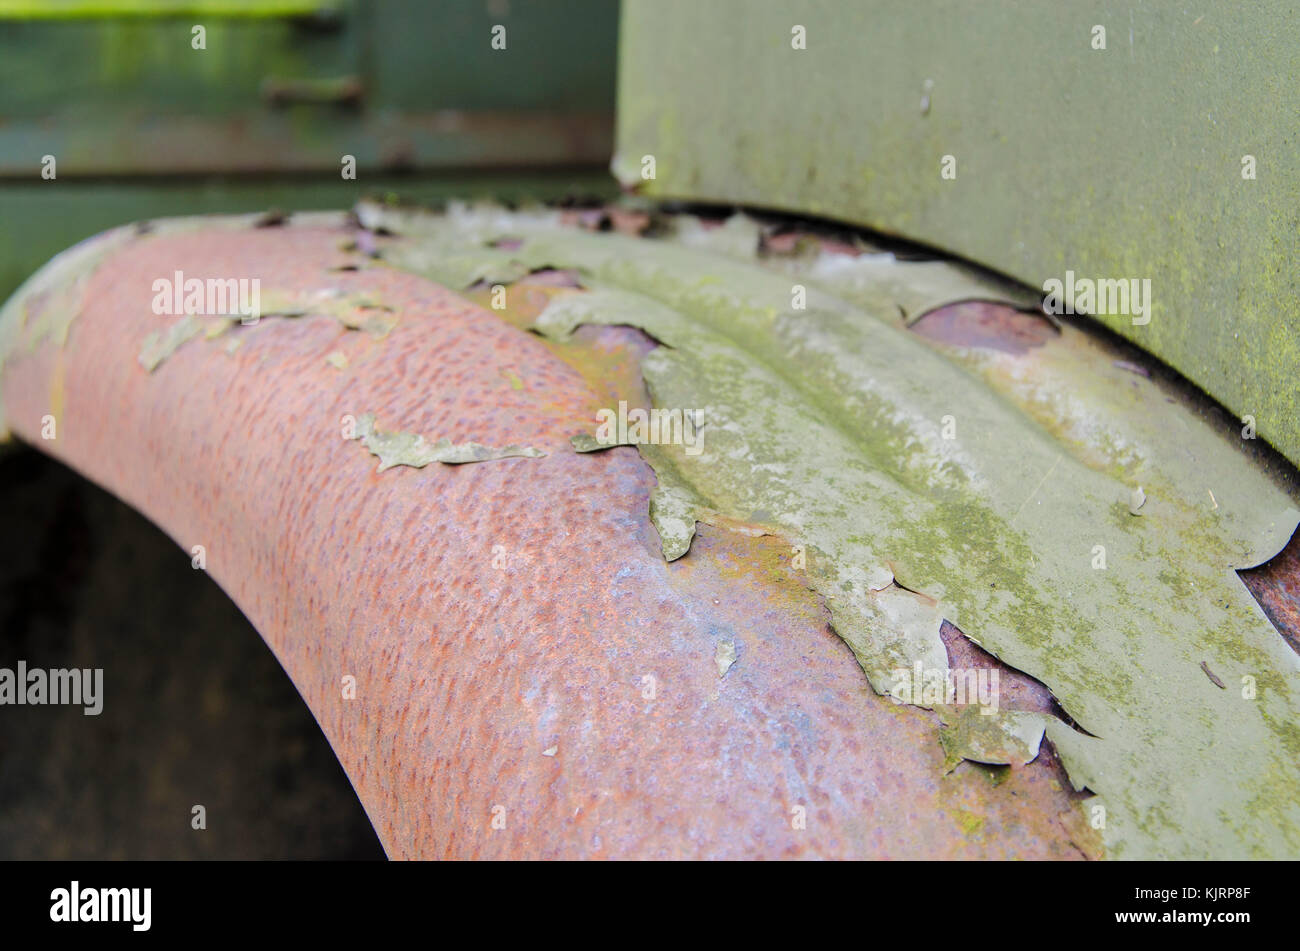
<point>1114,163</point>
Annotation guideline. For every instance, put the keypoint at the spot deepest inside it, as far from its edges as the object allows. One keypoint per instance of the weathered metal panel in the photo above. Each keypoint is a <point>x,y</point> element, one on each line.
<point>1123,162</point>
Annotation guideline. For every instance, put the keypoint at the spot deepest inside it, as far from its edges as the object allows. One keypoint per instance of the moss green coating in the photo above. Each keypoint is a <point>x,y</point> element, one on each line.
<point>1123,162</point>
<point>828,425</point>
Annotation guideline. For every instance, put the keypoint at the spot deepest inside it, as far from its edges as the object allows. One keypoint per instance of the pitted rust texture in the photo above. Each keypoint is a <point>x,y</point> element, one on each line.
<point>491,612</point>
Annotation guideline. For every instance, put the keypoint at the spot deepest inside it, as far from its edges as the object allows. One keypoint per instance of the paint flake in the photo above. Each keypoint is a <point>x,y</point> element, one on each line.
<point>411,449</point>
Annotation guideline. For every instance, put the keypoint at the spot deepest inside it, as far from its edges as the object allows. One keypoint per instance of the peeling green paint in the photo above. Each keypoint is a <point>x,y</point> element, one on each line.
<point>45,306</point>
<point>1137,499</point>
<point>674,509</point>
<point>352,311</point>
<point>161,344</point>
<point>724,656</point>
<point>830,420</point>
<point>585,442</point>
<point>1009,736</point>
<point>674,506</point>
<point>880,281</point>
<point>48,302</point>
<point>411,449</point>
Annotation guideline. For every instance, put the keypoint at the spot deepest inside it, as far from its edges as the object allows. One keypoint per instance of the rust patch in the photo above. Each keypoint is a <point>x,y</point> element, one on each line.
<point>1276,586</point>
<point>988,325</point>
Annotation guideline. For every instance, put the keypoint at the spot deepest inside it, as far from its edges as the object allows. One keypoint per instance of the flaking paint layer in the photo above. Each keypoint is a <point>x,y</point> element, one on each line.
<point>830,422</point>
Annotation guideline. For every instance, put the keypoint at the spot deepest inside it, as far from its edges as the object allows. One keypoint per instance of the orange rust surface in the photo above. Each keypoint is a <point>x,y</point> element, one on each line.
<point>1276,586</point>
<point>490,612</point>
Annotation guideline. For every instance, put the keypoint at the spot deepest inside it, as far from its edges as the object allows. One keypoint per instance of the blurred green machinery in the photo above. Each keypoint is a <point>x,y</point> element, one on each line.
<point>141,123</point>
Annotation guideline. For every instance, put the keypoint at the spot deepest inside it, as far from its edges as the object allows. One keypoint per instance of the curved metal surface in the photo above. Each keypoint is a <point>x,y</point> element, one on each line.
<point>532,680</point>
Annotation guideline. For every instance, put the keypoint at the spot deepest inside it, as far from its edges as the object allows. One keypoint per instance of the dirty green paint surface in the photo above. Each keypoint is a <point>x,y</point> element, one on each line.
<point>1116,163</point>
<point>826,424</point>
<point>352,311</point>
